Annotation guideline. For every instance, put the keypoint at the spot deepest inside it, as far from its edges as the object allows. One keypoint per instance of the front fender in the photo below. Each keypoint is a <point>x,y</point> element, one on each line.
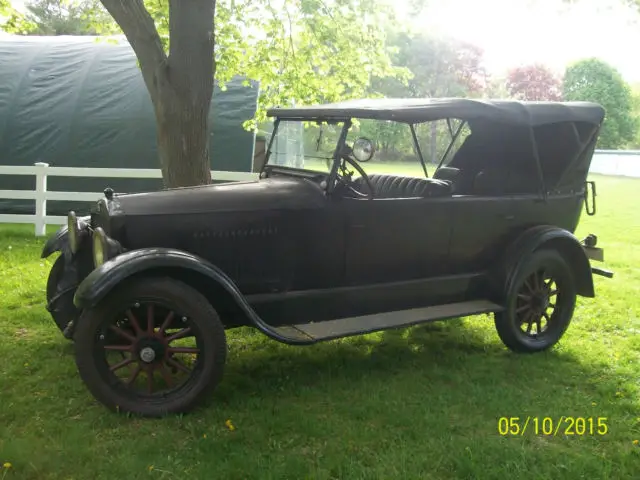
<point>546,236</point>
<point>56,242</point>
<point>103,279</point>
<point>59,240</point>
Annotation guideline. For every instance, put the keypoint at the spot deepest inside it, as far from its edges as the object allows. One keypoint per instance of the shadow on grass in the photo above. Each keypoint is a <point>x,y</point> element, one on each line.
<point>440,353</point>
<point>454,361</point>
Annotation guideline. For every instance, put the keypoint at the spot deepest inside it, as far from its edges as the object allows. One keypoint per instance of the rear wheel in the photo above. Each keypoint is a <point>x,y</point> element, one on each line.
<point>154,346</point>
<point>540,304</point>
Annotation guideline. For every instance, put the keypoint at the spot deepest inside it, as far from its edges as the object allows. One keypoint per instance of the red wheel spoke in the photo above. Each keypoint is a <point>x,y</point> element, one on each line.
<point>530,325</point>
<point>526,298</point>
<point>538,326</point>
<point>119,348</point>
<point>122,364</point>
<point>134,375</point>
<point>522,309</point>
<point>178,365</point>
<point>143,330</point>
<point>123,333</point>
<point>150,320</point>
<point>546,315</point>
<point>183,350</point>
<point>166,374</point>
<point>553,292</point>
<point>181,334</point>
<point>134,321</point>
<point>166,323</point>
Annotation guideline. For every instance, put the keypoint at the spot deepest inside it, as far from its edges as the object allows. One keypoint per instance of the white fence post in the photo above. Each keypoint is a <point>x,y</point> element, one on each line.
<point>41,198</point>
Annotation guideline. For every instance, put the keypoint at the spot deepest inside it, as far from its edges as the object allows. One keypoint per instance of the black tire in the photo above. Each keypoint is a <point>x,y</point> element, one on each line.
<point>545,277</point>
<point>55,275</point>
<point>64,311</point>
<point>191,311</point>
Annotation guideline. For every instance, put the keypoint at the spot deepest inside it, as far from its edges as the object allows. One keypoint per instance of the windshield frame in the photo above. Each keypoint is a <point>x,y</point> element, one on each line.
<point>336,157</point>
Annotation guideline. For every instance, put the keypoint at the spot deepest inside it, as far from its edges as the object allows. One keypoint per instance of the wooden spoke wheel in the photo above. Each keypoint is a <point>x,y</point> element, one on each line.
<point>152,347</point>
<point>540,304</point>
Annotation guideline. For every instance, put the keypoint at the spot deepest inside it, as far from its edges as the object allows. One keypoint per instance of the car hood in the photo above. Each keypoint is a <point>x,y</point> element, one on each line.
<point>279,193</point>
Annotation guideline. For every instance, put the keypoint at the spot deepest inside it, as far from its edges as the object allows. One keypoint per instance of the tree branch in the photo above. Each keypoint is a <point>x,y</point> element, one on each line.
<point>140,30</point>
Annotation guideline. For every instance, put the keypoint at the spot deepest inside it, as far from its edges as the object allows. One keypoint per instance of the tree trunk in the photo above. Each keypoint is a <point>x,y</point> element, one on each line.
<point>183,140</point>
<point>180,84</point>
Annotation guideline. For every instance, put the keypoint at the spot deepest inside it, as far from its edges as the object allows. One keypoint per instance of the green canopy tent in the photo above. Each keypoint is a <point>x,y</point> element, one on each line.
<point>79,102</point>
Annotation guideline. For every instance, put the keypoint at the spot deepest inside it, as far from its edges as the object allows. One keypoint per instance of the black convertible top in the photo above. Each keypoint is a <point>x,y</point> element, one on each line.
<point>412,110</point>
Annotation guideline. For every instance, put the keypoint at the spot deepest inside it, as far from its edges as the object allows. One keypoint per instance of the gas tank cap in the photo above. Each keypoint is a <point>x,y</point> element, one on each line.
<point>108,193</point>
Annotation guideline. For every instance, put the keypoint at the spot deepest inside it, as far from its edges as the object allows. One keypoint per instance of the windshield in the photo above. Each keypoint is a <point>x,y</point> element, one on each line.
<point>311,145</point>
<point>305,145</point>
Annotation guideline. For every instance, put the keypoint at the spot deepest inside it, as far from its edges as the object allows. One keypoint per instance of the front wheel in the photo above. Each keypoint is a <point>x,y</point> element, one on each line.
<point>154,346</point>
<point>539,305</point>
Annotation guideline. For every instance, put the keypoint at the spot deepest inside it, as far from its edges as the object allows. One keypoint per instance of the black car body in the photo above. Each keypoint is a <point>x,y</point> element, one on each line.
<point>306,255</point>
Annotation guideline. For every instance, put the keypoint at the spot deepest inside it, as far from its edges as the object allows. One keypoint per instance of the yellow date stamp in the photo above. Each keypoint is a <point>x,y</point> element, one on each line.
<point>550,426</point>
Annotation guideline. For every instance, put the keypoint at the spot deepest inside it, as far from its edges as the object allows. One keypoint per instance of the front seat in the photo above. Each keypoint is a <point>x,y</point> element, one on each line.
<point>395,186</point>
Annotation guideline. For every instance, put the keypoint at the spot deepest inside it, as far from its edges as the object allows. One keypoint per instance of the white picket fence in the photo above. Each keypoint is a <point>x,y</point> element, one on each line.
<point>624,163</point>
<point>42,171</point>
<point>606,162</point>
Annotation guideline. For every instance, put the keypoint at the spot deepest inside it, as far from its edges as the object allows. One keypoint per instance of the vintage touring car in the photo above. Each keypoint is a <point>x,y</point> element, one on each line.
<point>318,248</point>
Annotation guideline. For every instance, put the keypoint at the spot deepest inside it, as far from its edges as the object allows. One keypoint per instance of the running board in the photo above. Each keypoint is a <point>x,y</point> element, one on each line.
<point>307,333</point>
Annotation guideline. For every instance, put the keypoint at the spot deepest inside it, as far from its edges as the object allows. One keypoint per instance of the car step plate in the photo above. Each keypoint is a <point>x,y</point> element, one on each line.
<point>344,327</point>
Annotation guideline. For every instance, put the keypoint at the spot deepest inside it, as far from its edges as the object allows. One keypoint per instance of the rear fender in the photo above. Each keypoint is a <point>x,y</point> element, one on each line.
<point>540,237</point>
<point>180,264</point>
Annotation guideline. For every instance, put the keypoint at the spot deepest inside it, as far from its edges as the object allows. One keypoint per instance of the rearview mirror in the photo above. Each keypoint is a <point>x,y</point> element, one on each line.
<point>363,149</point>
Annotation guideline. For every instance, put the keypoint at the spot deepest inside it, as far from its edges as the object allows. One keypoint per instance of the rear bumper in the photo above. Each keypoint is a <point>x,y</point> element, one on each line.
<point>602,272</point>
<point>595,253</point>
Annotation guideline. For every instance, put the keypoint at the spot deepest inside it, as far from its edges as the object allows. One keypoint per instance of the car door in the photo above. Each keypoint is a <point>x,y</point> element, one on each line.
<point>481,226</point>
<point>394,240</point>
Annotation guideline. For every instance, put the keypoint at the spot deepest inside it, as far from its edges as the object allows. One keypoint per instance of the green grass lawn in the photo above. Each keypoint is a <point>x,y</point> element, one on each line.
<point>418,403</point>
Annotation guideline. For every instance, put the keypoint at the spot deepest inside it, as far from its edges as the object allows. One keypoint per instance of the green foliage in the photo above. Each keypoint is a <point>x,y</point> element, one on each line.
<point>595,80</point>
<point>13,21</point>
<point>303,51</point>
<point>64,17</point>
<point>635,98</point>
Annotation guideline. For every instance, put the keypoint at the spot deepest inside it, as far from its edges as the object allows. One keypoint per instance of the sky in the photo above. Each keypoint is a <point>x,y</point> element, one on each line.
<point>514,32</point>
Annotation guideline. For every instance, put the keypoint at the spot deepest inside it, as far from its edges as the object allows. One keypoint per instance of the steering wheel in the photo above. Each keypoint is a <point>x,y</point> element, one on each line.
<point>345,178</point>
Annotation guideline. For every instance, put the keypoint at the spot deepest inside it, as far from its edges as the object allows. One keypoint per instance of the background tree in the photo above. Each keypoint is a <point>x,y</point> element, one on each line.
<point>305,50</point>
<point>12,21</point>
<point>595,80</point>
<point>69,17</point>
<point>635,99</point>
<point>439,66</point>
<point>534,82</point>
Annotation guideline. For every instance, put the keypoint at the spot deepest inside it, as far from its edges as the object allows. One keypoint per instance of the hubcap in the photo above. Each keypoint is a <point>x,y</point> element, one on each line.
<point>147,355</point>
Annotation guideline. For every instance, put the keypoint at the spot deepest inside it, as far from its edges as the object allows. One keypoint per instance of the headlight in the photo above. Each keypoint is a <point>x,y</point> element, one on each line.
<point>99,247</point>
<point>74,232</point>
